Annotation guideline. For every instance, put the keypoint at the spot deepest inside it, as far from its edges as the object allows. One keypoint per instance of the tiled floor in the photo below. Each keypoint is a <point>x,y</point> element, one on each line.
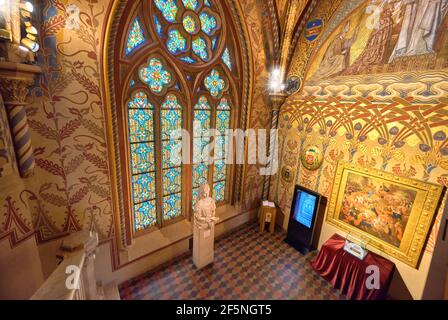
<point>248,265</point>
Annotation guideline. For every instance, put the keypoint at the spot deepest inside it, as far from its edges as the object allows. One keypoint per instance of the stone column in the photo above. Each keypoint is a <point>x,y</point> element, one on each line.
<point>277,100</point>
<point>15,80</point>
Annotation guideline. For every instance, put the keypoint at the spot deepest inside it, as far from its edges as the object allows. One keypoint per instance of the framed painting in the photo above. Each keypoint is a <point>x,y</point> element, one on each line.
<point>390,213</point>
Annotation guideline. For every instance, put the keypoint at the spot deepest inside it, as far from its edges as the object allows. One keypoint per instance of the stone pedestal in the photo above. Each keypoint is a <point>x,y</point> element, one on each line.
<point>203,246</point>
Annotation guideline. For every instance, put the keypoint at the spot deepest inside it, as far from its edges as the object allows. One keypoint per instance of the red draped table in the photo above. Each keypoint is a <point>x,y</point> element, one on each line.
<point>348,274</point>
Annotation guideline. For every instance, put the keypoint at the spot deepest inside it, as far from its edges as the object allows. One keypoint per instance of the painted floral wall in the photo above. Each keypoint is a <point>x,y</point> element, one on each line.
<point>374,94</point>
<point>71,188</point>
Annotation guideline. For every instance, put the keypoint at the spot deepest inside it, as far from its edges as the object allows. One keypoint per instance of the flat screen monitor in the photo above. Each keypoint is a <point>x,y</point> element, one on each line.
<point>305,219</point>
<point>305,207</point>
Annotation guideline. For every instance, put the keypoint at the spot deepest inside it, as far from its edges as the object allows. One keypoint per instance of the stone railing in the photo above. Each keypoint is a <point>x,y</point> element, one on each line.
<point>74,278</point>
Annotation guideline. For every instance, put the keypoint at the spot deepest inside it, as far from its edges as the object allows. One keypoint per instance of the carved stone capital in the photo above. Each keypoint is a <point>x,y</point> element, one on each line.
<point>15,79</point>
<point>277,100</point>
<point>14,91</point>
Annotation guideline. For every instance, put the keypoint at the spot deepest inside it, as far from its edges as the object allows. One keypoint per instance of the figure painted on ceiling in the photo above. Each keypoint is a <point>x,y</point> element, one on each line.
<point>421,21</point>
<point>376,50</point>
<point>337,56</point>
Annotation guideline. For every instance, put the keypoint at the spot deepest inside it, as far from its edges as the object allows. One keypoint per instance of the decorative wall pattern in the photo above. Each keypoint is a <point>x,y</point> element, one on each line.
<point>373,113</point>
<point>71,188</point>
<point>260,113</point>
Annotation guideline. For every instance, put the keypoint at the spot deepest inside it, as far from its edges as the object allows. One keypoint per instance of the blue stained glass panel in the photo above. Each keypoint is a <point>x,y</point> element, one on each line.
<point>201,150</point>
<point>200,174</point>
<point>214,83</point>
<point>171,121</point>
<point>190,4</point>
<point>202,104</point>
<point>219,172</point>
<point>208,23</point>
<point>200,48</point>
<point>226,58</point>
<point>176,43</point>
<point>172,206</point>
<point>172,181</point>
<point>168,8</point>
<point>155,75</point>
<point>159,27</point>
<point>188,60</point>
<point>172,153</point>
<point>143,186</point>
<point>221,147</point>
<point>145,215</point>
<point>136,37</point>
<point>195,194</point>
<point>141,125</point>
<point>214,41</point>
<point>171,102</point>
<point>219,189</point>
<point>207,3</point>
<point>222,121</point>
<point>142,157</point>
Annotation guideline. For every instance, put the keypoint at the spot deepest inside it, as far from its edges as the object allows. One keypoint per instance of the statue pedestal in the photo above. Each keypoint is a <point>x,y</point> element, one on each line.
<point>203,246</point>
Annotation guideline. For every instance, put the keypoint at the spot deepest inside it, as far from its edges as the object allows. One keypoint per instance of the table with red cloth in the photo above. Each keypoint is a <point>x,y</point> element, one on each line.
<point>348,274</point>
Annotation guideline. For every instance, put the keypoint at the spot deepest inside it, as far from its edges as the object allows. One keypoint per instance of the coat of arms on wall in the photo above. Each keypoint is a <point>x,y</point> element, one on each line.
<point>313,29</point>
<point>312,158</point>
<point>392,214</point>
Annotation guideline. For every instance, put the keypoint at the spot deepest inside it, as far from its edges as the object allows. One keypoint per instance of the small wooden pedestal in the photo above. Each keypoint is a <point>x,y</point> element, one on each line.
<point>267,215</point>
<point>203,246</point>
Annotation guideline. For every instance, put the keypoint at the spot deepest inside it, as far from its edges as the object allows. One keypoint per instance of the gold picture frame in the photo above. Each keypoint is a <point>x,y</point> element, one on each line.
<point>390,213</point>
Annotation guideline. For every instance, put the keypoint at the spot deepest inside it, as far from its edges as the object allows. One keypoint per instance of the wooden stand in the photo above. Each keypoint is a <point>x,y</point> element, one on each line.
<point>267,215</point>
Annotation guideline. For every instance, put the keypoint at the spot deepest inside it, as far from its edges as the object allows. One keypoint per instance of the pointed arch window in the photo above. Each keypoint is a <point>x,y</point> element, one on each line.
<point>179,68</point>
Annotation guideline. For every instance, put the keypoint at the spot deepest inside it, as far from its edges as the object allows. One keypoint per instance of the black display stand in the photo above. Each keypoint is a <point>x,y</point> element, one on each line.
<point>301,237</point>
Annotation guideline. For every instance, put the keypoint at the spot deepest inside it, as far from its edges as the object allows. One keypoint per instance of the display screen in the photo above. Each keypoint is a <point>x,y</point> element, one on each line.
<point>304,208</point>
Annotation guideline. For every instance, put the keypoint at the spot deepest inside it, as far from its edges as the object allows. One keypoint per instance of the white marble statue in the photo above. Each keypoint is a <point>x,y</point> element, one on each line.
<point>204,228</point>
<point>204,211</point>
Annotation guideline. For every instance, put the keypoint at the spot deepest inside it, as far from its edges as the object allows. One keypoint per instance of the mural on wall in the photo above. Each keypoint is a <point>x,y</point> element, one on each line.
<point>361,102</point>
<point>385,36</point>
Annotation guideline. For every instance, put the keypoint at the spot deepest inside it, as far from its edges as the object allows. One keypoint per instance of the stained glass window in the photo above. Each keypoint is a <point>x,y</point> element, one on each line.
<point>141,136</point>
<point>208,23</point>
<point>201,146</point>
<point>191,33</point>
<point>136,37</point>
<point>168,8</point>
<point>190,24</point>
<point>190,4</point>
<point>200,48</point>
<point>201,139</point>
<point>188,60</point>
<point>171,120</point>
<point>158,26</point>
<point>155,75</point>
<point>214,83</point>
<point>176,43</point>
<point>226,58</point>
<point>222,125</point>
